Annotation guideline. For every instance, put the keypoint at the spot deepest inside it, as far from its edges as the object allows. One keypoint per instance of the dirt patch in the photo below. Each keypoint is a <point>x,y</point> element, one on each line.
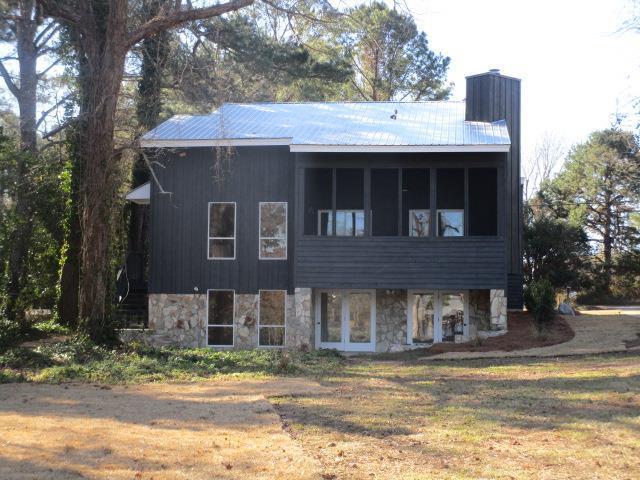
<point>521,335</point>
<point>222,430</point>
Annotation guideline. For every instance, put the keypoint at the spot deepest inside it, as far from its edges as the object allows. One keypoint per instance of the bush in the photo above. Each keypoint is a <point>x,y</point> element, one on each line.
<point>9,334</point>
<point>540,300</point>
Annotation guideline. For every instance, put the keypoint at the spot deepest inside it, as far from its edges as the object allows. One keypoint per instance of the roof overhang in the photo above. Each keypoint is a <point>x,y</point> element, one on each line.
<point>399,148</point>
<point>264,142</point>
<point>140,195</point>
<point>230,142</point>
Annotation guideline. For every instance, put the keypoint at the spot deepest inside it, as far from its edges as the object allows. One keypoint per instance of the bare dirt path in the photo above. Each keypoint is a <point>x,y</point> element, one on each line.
<point>214,430</point>
<point>596,331</point>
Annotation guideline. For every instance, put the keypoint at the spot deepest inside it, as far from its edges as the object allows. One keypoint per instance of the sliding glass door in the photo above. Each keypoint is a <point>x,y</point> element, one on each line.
<point>345,320</point>
<point>434,317</point>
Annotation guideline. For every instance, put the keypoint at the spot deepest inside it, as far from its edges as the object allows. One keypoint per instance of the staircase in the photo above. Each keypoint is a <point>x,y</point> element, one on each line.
<point>133,311</point>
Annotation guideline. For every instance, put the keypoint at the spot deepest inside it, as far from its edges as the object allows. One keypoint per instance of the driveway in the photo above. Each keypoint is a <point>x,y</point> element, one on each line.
<point>214,430</point>
<point>606,330</point>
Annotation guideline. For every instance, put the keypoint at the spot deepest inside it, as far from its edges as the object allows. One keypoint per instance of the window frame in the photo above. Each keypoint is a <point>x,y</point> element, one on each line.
<point>233,320</point>
<point>464,225</point>
<point>283,326</point>
<point>235,229</point>
<point>286,233</point>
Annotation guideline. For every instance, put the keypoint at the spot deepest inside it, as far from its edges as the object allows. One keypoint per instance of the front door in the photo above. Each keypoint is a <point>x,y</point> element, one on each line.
<point>434,316</point>
<point>346,320</point>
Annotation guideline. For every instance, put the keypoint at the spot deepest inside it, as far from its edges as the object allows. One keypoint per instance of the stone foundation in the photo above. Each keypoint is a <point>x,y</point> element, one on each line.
<point>498,302</point>
<point>180,320</point>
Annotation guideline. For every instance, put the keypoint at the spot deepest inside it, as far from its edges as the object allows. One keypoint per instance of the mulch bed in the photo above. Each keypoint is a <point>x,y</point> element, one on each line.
<point>521,335</point>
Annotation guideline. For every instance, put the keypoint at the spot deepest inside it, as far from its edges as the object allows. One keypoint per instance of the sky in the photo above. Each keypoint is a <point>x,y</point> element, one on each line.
<point>576,65</point>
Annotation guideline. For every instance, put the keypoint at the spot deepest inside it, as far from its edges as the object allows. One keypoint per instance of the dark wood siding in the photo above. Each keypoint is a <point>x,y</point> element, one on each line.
<point>378,262</point>
<point>492,97</point>
<point>179,220</point>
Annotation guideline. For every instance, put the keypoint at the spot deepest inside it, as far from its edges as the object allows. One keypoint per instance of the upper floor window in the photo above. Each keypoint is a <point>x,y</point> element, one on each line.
<point>450,201</point>
<point>334,211</point>
<point>416,213</point>
<point>273,231</point>
<point>222,231</point>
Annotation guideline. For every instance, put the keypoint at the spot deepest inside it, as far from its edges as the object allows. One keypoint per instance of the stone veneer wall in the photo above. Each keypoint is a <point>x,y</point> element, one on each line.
<point>479,312</point>
<point>180,320</point>
<point>498,302</point>
<point>391,320</point>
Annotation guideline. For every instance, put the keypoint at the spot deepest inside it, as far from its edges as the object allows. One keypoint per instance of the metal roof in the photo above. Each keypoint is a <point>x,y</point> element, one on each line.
<point>340,126</point>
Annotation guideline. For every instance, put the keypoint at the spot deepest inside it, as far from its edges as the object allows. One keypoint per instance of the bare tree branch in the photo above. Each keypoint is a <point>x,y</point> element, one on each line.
<point>165,21</point>
<point>13,88</point>
<point>46,113</point>
<point>59,10</point>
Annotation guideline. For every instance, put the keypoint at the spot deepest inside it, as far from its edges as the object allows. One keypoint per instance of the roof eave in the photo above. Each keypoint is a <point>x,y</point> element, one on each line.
<point>401,148</point>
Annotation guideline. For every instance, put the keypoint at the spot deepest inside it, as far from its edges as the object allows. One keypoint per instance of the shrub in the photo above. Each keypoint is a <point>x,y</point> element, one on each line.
<point>540,300</point>
<point>9,333</point>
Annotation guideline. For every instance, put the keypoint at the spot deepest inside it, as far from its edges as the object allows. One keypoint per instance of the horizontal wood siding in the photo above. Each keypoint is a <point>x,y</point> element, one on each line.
<point>388,262</point>
<point>179,261</point>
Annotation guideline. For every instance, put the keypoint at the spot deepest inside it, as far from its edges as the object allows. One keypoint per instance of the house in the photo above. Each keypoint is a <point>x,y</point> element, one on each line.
<point>370,226</point>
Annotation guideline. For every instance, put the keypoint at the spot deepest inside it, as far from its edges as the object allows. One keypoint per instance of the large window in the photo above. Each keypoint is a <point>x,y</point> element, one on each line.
<point>483,201</point>
<point>416,216</point>
<point>220,314</point>
<point>339,213</point>
<point>273,231</point>
<point>450,200</point>
<point>384,201</point>
<point>222,231</point>
<point>272,318</point>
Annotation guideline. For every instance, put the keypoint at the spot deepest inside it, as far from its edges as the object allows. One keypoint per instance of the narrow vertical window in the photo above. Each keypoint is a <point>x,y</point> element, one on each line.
<point>273,231</point>
<point>349,202</point>
<point>450,202</point>
<point>220,313</point>
<point>222,230</point>
<point>416,216</point>
<point>271,320</point>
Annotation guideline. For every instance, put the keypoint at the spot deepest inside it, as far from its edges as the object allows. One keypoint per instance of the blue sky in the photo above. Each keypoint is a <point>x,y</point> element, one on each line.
<point>577,67</point>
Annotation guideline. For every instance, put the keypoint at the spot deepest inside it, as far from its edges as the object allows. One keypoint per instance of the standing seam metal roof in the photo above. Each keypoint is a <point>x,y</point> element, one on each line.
<point>340,123</point>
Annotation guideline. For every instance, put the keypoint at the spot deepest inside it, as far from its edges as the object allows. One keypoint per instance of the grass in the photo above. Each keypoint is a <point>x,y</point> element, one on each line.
<point>521,418</point>
<point>78,359</point>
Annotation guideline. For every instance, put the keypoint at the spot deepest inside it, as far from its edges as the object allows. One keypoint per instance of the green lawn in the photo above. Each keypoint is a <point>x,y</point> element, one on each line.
<point>563,418</point>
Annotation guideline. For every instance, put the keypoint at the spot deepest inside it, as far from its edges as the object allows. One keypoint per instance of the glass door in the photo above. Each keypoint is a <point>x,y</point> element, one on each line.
<point>434,317</point>
<point>345,320</point>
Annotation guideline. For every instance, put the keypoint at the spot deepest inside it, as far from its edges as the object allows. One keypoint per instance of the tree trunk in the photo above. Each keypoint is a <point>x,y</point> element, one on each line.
<point>26,28</point>
<point>105,64</point>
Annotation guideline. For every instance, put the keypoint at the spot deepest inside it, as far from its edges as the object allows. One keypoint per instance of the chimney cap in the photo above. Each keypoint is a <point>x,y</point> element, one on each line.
<point>495,70</point>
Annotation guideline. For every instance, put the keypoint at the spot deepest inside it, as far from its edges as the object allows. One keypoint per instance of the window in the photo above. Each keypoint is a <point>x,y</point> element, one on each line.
<point>450,200</point>
<point>416,215</point>
<point>273,231</point>
<point>450,223</point>
<point>222,231</point>
<point>419,222</point>
<point>271,319</point>
<point>220,314</point>
<point>483,201</point>
<point>334,213</point>
<point>350,202</point>
<point>384,201</point>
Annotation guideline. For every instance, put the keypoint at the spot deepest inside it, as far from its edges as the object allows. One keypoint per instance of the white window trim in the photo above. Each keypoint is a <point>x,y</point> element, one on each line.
<point>461,210</point>
<point>409,221</point>
<point>286,232</point>
<point>437,314</point>
<point>260,325</point>
<point>344,344</point>
<point>235,226</point>
<point>233,322</point>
